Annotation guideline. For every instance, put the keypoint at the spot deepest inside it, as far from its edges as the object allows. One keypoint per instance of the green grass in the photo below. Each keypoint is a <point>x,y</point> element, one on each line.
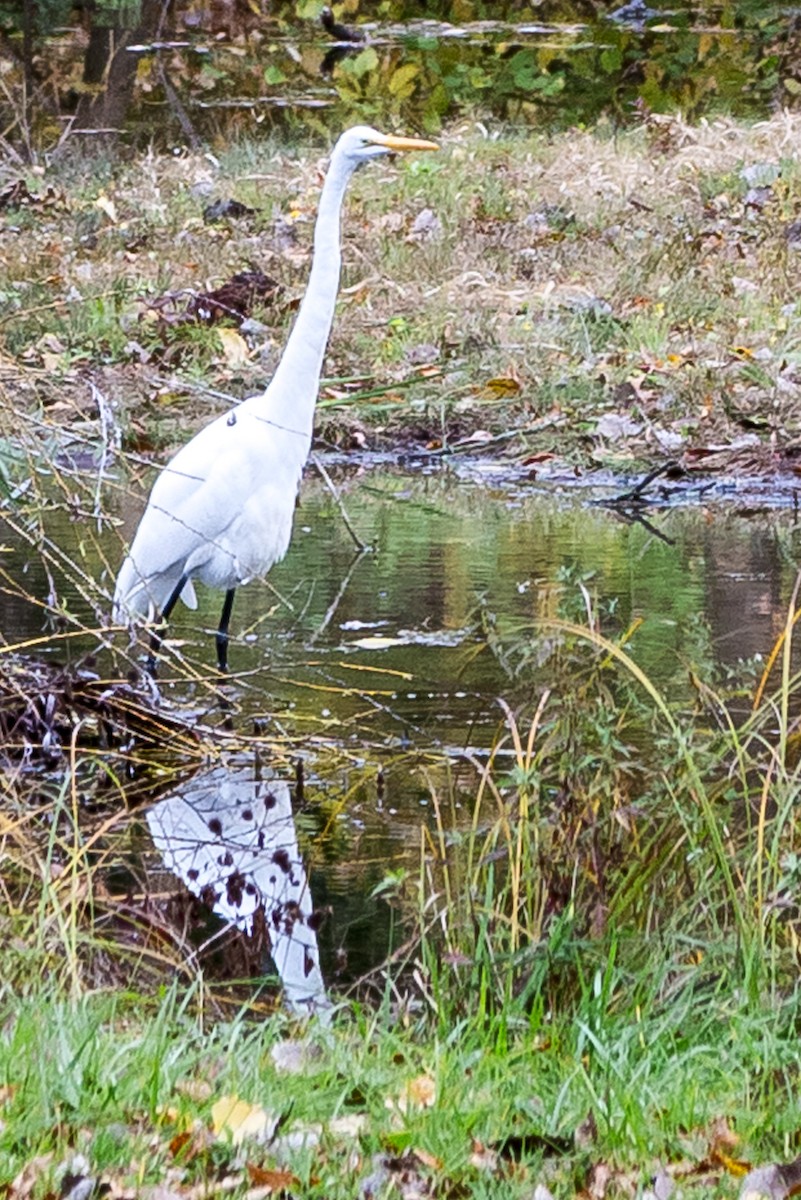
<point>101,1077</point>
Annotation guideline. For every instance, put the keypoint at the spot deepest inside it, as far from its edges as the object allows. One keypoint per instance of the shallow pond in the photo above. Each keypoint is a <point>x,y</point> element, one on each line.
<point>205,75</point>
<point>382,669</point>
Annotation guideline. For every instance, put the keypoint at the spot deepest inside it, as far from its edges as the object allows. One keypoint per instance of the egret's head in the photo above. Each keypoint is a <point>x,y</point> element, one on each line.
<point>361,143</point>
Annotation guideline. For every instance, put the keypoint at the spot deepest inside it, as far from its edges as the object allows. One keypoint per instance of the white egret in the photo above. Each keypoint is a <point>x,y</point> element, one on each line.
<point>221,510</point>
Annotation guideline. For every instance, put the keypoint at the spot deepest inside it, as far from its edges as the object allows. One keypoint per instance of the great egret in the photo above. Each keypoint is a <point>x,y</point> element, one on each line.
<point>221,510</point>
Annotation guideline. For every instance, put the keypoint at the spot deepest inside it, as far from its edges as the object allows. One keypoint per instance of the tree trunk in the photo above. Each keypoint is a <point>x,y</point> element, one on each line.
<point>109,69</point>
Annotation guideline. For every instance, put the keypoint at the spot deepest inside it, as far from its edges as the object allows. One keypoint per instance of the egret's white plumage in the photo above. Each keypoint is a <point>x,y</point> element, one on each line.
<point>221,510</point>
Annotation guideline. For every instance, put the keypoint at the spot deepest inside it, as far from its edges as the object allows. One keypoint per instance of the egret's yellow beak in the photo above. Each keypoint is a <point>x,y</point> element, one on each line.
<point>400,144</point>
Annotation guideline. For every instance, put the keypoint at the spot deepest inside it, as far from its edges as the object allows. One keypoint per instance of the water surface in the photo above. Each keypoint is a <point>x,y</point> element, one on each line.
<point>379,670</point>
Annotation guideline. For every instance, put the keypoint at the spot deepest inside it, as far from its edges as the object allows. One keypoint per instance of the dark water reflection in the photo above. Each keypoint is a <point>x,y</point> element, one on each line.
<point>380,669</point>
<point>208,75</point>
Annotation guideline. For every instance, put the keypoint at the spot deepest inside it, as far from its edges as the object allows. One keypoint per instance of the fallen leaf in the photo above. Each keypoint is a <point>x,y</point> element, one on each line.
<point>107,206</point>
<point>773,1182</point>
<point>587,1132</point>
<point>157,1192</point>
<point>198,1090</point>
<point>617,425</point>
<point>275,1180</point>
<point>234,347</point>
<point>427,1159</point>
<point>178,1142</point>
<point>426,226</point>
<point>540,457</point>
<point>502,385</point>
<point>293,1057</point>
<point>239,1120</point>
<point>721,1135</point>
<point>599,1178</point>
<point>735,1166</point>
<point>483,1158</point>
<point>420,1092</point>
<point>662,1186</point>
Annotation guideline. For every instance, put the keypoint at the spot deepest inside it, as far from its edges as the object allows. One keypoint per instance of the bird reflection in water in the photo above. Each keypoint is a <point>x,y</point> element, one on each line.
<point>231,838</point>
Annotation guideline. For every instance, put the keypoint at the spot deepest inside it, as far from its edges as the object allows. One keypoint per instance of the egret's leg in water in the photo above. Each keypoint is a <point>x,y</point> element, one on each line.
<point>157,635</point>
<point>222,632</point>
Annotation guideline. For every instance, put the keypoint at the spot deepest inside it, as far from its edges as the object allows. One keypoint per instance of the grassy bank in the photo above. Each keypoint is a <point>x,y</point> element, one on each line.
<point>591,298</point>
<point>596,983</point>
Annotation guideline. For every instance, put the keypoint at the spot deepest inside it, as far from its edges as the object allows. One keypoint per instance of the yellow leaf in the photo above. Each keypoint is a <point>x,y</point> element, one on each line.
<point>107,206</point>
<point>735,1166</point>
<point>502,385</point>
<point>402,82</point>
<point>239,1119</point>
<point>234,347</point>
<point>364,62</point>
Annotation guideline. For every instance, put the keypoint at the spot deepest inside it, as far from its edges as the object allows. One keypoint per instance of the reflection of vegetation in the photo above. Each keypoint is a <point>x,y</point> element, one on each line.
<point>739,59</point>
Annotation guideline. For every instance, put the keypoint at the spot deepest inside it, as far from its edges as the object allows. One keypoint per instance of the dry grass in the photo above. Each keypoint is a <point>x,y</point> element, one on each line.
<point>640,274</point>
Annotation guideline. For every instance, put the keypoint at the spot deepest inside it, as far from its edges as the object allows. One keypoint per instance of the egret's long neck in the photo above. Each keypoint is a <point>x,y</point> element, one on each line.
<point>292,393</point>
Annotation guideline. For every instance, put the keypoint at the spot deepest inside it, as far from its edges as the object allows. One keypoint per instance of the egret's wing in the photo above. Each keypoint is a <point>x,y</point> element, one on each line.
<point>243,470</point>
<point>194,499</point>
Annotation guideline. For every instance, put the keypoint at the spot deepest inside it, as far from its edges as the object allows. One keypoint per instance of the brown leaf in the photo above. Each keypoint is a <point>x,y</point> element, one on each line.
<point>277,1181</point>
<point>25,1182</point>
<point>721,1136</point>
<point>420,1092</point>
<point>198,1090</point>
<point>587,1132</point>
<point>483,1158</point>
<point>600,1177</point>
<point>427,1159</point>
<point>178,1142</point>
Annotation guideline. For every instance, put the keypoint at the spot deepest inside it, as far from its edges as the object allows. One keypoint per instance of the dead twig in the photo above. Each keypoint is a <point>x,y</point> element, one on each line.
<point>329,483</point>
<point>636,495</point>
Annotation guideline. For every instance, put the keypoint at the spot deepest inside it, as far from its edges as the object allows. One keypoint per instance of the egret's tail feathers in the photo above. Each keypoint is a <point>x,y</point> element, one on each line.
<point>139,596</point>
<point>188,595</point>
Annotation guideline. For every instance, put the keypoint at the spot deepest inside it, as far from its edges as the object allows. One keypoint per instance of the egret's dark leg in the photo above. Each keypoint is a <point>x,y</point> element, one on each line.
<point>222,631</point>
<point>157,635</point>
